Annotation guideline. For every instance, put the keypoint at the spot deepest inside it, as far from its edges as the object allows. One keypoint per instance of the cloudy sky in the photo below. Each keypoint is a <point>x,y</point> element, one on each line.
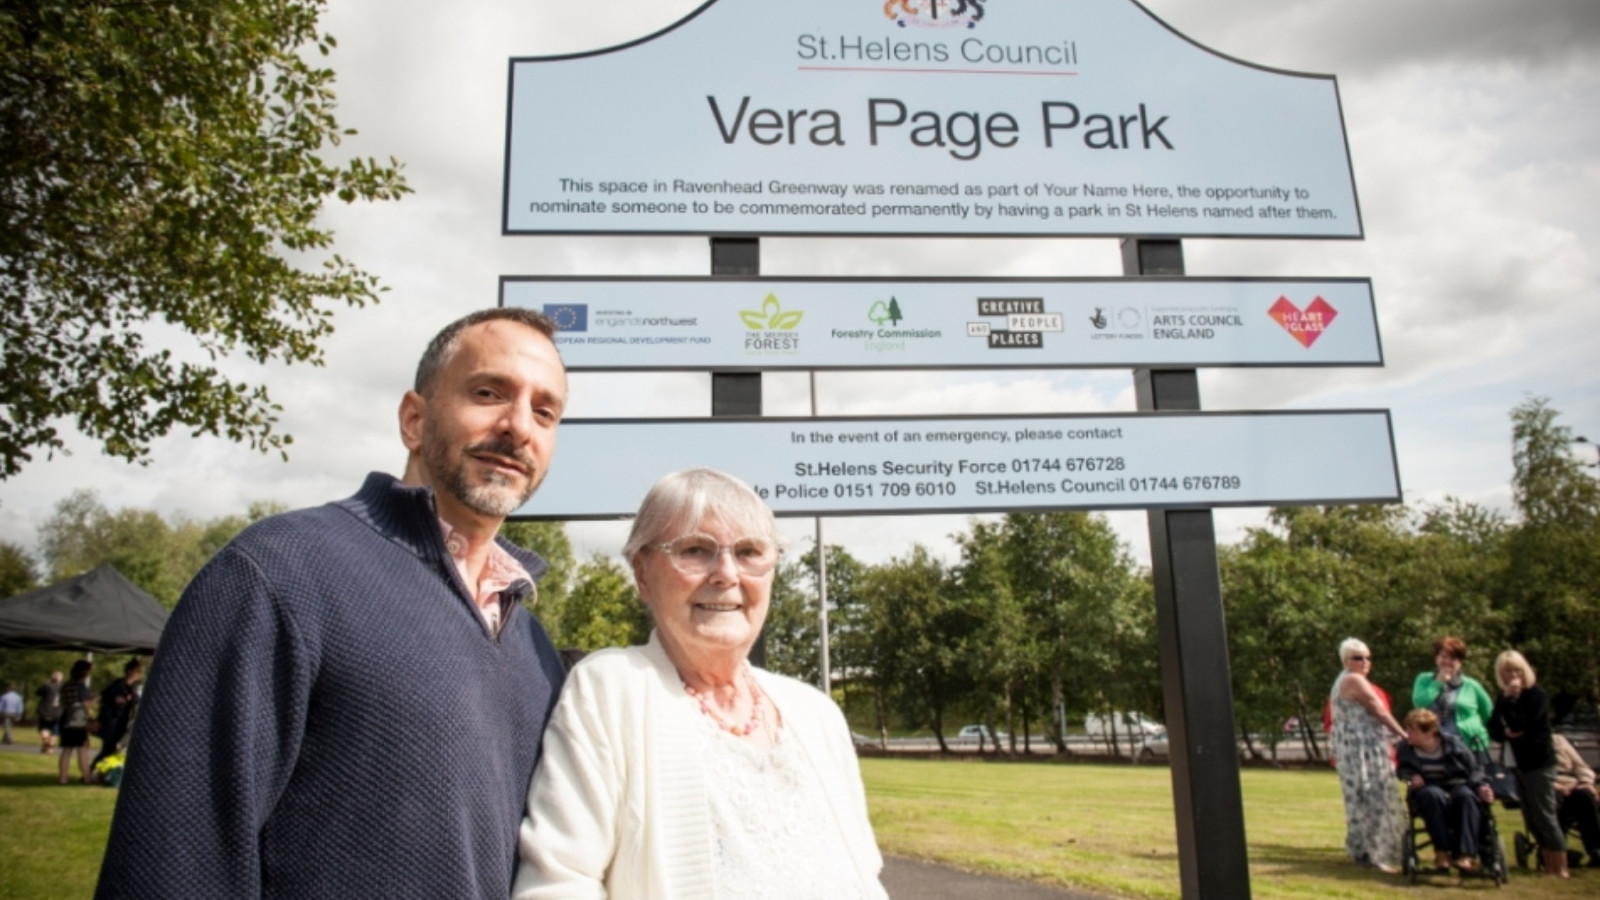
<point>1472,130</point>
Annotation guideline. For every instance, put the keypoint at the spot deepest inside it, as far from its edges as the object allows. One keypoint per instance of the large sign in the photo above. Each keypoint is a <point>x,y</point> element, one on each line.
<point>972,464</point>
<point>923,117</point>
<point>633,324</point>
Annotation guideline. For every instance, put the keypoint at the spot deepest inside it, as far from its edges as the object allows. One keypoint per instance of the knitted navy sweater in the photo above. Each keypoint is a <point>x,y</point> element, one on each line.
<point>328,717</point>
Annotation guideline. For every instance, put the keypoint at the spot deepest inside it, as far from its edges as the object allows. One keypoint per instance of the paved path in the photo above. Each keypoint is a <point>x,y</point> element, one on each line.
<point>913,879</point>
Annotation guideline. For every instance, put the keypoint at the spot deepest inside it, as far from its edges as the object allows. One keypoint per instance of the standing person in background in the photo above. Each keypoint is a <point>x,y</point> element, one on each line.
<point>75,700</point>
<point>116,705</point>
<point>49,712</point>
<point>10,710</point>
<point>1363,730</point>
<point>266,763</point>
<point>1522,717</point>
<point>1459,701</point>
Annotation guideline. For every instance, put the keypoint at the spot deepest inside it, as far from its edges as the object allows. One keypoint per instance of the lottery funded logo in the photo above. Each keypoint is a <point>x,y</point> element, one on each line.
<point>770,330</point>
<point>1123,323</point>
<point>1025,322</point>
<point>1304,325</point>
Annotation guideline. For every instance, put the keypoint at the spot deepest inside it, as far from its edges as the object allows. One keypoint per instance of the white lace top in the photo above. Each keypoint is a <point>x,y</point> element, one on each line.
<point>775,836</point>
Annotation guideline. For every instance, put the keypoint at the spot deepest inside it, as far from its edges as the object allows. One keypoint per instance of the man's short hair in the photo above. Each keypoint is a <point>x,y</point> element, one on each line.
<point>1422,720</point>
<point>134,665</point>
<point>444,344</point>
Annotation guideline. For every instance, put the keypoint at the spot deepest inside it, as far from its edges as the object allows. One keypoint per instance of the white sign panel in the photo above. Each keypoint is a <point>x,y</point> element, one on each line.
<point>624,324</point>
<point>852,466</point>
<point>923,117</point>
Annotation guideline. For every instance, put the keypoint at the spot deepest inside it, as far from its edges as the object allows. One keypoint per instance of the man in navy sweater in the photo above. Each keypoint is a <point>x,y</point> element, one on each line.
<point>348,700</point>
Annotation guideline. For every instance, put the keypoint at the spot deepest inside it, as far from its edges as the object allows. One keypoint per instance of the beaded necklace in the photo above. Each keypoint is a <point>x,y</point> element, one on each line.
<point>744,730</point>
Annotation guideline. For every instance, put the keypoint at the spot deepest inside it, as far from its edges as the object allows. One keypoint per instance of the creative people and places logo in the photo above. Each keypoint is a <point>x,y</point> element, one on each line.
<point>935,13</point>
<point>1304,325</point>
<point>1025,319</point>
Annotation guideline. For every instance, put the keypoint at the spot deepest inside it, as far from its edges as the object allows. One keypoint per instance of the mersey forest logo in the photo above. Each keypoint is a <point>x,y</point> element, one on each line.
<point>1304,325</point>
<point>935,13</point>
<point>771,328</point>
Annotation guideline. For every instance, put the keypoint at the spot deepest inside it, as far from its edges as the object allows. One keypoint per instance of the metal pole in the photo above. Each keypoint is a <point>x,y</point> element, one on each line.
<point>738,393</point>
<point>825,673</point>
<point>1213,862</point>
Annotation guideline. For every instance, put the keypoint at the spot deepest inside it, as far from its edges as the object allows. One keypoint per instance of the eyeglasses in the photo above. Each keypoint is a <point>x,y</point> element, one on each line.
<point>1355,658</point>
<point>698,554</point>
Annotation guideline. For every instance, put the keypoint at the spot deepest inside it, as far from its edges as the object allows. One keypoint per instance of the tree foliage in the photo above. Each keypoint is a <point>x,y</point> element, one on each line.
<point>162,167</point>
<point>603,609</point>
<point>1550,590</point>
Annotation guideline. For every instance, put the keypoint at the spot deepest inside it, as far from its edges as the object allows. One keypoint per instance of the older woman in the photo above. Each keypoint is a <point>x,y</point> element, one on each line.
<point>676,769</point>
<point>1363,730</point>
<point>1458,700</point>
<point>1522,717</point>
<point>1448,789</point>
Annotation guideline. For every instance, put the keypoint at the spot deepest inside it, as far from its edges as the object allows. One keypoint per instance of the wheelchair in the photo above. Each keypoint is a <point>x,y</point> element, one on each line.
<point>1491,855</point>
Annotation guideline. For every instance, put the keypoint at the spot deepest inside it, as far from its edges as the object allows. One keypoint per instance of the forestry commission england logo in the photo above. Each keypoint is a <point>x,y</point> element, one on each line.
<point>771,329</point>
<point>935,13</point>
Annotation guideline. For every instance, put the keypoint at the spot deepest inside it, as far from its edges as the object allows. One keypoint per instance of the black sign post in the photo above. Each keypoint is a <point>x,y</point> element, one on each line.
<point>735,394</point>
<point>1193,638</point>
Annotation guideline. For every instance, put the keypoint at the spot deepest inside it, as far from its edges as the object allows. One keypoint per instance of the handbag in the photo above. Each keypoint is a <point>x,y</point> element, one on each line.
<point>1503,781</point>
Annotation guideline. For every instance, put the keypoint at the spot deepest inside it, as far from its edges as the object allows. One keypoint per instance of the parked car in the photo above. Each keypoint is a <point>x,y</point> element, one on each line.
<point>1127,723</point>
<point>976,732</point>
<point>1136,733</point>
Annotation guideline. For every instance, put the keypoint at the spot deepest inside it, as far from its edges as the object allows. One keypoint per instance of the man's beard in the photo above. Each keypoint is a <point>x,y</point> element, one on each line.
<point>497,495</point>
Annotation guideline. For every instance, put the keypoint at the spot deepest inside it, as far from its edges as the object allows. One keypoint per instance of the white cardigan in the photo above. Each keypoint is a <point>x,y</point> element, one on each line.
<point>618,804</point>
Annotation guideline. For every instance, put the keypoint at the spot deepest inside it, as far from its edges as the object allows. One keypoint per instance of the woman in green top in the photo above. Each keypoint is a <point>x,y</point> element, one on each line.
<point>1460,702</point>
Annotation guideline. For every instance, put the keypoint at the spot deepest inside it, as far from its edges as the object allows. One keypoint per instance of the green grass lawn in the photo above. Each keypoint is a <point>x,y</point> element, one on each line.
<point>1105,829</point>
<point>1109,830</point>
<point>51,836</point>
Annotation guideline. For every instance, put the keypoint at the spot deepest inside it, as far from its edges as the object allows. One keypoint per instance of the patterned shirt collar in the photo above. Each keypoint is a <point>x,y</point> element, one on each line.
<point>500,571</point>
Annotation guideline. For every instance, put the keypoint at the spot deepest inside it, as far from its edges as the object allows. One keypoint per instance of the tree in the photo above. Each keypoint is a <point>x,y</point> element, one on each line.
<point>162,164</point>
<point>1550,591</point>
<point>158,555</point>
<point>603,609</point>
<point>791,630</point>
<point>17,572</point>
<point>919,632</point>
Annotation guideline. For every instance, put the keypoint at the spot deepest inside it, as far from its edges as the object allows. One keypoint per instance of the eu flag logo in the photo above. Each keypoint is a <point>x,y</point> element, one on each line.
<point>568,316</point>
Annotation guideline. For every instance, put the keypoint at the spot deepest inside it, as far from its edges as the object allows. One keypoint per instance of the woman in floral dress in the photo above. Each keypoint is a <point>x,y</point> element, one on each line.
<point>1363,729</point>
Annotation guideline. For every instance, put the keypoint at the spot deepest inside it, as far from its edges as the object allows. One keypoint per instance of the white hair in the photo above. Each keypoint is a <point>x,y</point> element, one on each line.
<point>1351,646</point>
<point>682,500</point>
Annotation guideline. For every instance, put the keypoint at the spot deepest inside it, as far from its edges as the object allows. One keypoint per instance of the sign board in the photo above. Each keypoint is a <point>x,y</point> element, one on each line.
<point>923,117</point>
<point>973,464</point>
<point>633,324</point>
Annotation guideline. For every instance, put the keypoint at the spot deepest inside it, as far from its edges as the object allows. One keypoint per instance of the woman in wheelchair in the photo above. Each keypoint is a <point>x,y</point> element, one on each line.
<point>1447,789</point>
